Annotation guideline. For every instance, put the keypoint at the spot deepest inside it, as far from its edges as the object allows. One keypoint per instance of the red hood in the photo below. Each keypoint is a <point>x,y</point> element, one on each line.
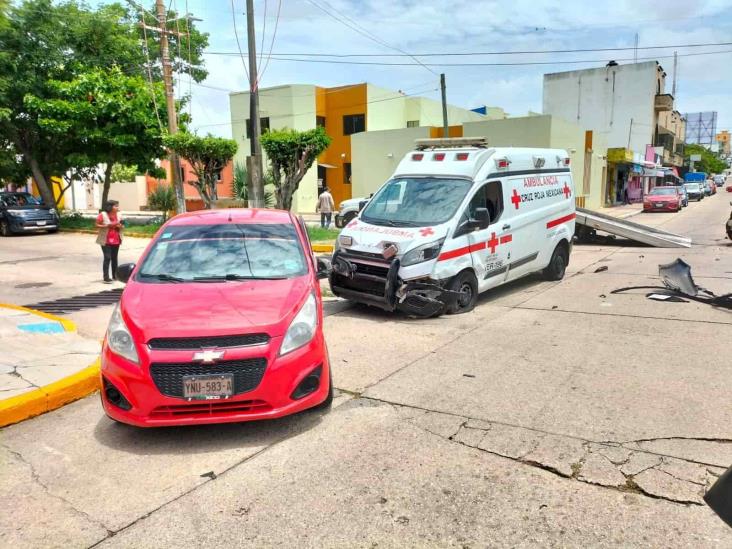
<point>207,309</point>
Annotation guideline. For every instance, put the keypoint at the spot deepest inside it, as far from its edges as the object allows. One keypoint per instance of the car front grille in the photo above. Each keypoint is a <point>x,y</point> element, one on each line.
<point>168,376</point>
<point>214,408</point>
<point>214,342</point>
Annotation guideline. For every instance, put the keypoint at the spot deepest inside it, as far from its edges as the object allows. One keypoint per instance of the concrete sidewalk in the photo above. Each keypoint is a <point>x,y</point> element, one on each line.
<point>45,363</point>
<point>621,212</point>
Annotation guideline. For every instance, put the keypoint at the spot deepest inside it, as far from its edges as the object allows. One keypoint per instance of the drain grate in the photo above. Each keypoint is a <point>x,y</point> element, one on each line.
<point>79,302</point>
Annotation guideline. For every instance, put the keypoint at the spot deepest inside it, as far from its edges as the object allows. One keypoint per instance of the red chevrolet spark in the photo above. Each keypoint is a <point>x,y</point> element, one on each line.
<point>221,321</point>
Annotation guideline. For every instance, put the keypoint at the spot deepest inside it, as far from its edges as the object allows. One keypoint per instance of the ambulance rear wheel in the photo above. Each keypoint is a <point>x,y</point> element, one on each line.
<point>558,264</point>
<point>466,285</point>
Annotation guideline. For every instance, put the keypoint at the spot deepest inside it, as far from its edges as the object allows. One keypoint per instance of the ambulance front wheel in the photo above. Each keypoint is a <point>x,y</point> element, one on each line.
<point>558,263</point>
<point>466,285</point>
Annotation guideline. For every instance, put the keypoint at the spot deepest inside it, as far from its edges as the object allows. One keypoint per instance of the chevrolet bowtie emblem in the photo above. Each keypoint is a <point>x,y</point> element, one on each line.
<point>207,357</point>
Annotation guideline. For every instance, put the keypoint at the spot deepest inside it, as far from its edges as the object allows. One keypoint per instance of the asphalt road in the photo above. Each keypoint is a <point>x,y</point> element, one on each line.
<point>555,414</point>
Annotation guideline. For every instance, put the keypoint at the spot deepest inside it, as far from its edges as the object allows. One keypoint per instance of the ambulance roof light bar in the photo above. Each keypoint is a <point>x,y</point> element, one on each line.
<point>451,143</point>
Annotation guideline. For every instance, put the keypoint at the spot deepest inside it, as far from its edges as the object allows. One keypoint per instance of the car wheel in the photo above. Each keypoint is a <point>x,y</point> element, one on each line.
<point>467,285</point>
<point>52,231</point>
<point>328,402</point>
<point>558,263</point>
<point>5,228</point>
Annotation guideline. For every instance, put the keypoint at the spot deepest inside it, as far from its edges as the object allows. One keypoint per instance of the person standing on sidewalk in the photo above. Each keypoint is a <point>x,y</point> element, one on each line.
<point>109,223</point>
<point>325,207</point>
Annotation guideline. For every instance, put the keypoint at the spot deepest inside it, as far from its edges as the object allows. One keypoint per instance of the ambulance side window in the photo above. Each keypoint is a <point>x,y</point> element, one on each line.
<point>489,196</point>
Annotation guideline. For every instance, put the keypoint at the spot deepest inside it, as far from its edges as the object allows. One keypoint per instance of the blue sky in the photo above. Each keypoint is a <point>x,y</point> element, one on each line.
<point>426,26</point>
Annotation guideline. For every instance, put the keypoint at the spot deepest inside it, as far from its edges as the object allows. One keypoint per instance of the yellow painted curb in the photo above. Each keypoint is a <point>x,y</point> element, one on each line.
<point>51,396</point>
<point>68,326</point>
<point>322,248</point>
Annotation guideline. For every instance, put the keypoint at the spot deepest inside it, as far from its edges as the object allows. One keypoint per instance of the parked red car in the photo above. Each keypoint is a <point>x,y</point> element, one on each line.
<point>665,199</point>
<point>221,321</point>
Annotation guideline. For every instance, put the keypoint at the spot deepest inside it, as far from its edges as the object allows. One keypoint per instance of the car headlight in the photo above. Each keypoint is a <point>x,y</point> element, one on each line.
<point>302,327</point>
<point>52,211</point>
<point>420,254</point>
<point>17,212</point>
<point>120,339</point>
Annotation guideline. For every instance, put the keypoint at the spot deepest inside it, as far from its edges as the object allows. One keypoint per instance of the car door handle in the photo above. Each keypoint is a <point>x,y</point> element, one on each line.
<point>506,227</point>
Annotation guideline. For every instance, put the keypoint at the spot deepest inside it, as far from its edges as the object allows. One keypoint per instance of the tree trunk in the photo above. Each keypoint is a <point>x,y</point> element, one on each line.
<point>44,188</point>
<point>107,182</point>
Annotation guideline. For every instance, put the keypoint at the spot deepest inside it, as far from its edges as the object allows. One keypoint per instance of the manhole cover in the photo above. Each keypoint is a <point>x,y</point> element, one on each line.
<point>33,285</point>
<point>77,303</point>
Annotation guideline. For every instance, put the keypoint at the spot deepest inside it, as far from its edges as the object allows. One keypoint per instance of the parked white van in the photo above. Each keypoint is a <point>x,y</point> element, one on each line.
<point>457,218</point>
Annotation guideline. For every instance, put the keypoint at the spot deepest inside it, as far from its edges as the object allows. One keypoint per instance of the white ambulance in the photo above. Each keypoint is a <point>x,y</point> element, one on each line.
<point>457,218</point>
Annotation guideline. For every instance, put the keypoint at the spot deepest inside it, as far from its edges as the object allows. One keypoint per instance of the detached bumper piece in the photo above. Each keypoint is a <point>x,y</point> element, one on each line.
<point>369,279</point>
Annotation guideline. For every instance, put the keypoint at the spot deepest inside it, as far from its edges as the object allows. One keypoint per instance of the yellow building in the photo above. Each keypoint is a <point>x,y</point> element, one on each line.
<point>723,139</point>
<point>343,111</point>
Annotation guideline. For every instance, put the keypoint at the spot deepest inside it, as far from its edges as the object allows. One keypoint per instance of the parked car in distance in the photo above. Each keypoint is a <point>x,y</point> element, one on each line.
<point>707,188</point>
<point>684,195</point>
<point>349,209</point>
<point>220,321</point>
<point>663,199</point>
<point>694,191</point>
<point>719,180</point>
<point>22,213</point>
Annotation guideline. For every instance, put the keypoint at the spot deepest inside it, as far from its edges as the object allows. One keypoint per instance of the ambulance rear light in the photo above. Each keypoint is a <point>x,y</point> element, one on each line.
<point>566,161</point>
<point>461,156</point>
<point>438,157</point>
<point>417,157</point>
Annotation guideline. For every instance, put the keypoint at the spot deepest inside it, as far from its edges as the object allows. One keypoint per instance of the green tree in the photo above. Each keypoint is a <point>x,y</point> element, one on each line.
<point>44,42</point>
<point>106,117</point>
<point>123,174</point>
<point>207,156</point>
<point>291,154</point>
<point>240,190</point>
<point>710,163</point>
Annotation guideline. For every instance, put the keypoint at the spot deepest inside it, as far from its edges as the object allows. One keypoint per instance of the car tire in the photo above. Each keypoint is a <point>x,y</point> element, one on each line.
<point>557,264</point>
<point>467,285</point>
<point>328,402</point>
<point>52,231</point>
<point>5,229</point>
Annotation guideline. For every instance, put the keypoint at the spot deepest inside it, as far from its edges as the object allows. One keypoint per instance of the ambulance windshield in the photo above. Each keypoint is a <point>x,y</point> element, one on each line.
<point>416,201</point>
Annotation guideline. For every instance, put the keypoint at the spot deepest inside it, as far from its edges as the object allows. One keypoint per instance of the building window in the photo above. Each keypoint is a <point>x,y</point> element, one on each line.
<point>412,123</point>
<point>320,121</point>
<point>354,123</point>
<point>263,124</point>
<point>347,173</point>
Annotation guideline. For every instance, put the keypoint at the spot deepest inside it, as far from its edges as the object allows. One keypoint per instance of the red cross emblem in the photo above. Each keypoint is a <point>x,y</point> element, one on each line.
<point>516,199</point>
<point>427,231</point>
<point>493,243</point>
<point>567,191</point>
<point>352,224</point>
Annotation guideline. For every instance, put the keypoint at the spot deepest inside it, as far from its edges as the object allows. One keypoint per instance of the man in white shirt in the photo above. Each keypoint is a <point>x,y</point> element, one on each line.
<point>325,207</point>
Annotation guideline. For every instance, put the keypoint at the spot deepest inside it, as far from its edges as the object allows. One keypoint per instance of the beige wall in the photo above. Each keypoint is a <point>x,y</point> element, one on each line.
<point>377,154</point>
<point>131,196</point>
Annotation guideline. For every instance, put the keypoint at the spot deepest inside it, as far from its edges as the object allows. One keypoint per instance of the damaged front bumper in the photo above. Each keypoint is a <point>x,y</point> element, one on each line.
<point>369,279</point>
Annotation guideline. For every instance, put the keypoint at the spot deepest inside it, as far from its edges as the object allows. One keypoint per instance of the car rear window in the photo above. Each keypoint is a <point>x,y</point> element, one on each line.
<point>663,190</point>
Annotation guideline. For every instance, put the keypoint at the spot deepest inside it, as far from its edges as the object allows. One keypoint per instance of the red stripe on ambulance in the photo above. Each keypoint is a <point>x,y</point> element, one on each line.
<point>561,220</point>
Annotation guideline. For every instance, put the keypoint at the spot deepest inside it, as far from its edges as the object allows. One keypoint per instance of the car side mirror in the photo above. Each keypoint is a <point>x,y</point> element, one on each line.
<point>124,272</point>
<point>324,268</point>
<point>482,218</point>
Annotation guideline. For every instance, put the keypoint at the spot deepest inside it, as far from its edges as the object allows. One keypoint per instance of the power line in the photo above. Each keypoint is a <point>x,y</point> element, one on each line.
<point>146,50</point>
<point>506,64</point>
<point>271,45</point>
<point>497,52</point>
<point>264,30</point>
<point>190,62</point>
<point>363,32</point>
<point>238,45</point>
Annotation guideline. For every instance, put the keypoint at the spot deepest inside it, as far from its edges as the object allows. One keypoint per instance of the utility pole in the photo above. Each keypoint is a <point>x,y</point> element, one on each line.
<point>170,101</point>
<point>445,130</point>
<point>676,64</point>
<point>254,162</point>
<point>630,132</point>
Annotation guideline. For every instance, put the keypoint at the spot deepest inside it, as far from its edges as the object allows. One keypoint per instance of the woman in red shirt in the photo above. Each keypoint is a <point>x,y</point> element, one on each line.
<point>109,223</point>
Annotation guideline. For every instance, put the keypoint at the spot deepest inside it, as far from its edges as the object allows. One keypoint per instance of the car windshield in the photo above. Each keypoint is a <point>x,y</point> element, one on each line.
<point>207,253</point>
<point>416,201</point>
<point>663,190</point>
<point>18,200</point>
<point>692,186</point>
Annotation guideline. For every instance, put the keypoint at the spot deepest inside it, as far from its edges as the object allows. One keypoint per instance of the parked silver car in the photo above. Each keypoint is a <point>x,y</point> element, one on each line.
<point>694,191</point>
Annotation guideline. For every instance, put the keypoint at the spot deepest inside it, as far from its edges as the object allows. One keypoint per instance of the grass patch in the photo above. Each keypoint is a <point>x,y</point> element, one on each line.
<point>318,234</point>
<point>77,222</point>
